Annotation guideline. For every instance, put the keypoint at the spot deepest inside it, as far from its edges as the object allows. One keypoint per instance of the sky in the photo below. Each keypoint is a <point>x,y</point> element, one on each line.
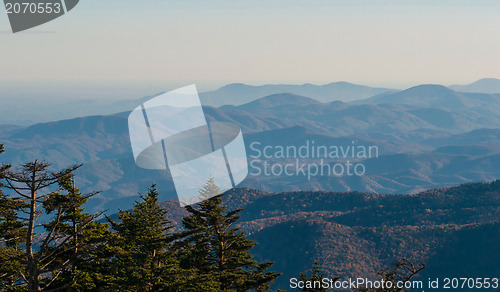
<point>165,44</point>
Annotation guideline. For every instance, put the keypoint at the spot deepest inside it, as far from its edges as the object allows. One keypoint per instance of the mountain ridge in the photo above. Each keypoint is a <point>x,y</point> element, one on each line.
<point>239,93</point>
<point>484,85</point>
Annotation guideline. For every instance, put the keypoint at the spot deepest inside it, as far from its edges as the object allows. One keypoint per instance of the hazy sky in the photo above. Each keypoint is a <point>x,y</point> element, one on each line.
<point>390,43</point>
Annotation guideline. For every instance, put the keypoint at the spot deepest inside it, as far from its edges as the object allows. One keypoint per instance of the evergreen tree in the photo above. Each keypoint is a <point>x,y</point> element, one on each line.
<point>12,233</point>
<point>51,248</point>
<point>144,260</point>
<point>85,239</point>
<point>209,190</point>
<point>218,251</point>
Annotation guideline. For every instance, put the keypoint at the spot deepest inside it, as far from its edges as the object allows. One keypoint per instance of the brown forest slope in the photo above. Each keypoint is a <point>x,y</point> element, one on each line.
<point>456,231</point>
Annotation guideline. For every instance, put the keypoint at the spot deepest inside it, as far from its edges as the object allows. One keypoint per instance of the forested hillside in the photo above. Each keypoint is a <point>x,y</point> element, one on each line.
<point>351,234</point>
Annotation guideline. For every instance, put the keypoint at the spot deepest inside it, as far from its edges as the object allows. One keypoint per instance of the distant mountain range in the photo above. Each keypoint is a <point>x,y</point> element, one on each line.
<point>422,107</point>
<point>428,136</point>
<point>29,109</point>
<point>238,93</point>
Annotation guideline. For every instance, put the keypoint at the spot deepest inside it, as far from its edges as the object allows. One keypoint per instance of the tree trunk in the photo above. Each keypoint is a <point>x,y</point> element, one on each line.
<point>33,284</point>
